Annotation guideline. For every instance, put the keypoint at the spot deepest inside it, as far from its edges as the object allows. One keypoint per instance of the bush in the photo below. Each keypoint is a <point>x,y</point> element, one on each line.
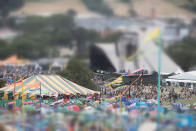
<point>98,6</point>
<point>78,72</point>
<point>183,53</point>
<point>2,83</point>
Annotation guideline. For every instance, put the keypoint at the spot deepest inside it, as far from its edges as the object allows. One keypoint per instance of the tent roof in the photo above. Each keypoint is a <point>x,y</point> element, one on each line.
<point>50,84</point>
<point>14,60</point>
<point>185,76</point>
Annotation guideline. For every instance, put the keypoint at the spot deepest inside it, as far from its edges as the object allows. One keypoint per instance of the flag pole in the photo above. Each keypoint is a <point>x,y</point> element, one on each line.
<point>40,94</point>
<point>40,101</point>
<point>14,86</point>
<point>159,79</point>
<point>22,95</point>
<point>23,104</point>
<point>120,109</point>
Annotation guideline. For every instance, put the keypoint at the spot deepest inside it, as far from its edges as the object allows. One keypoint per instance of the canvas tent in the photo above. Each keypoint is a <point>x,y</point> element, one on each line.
<point>50,85</point>
<point>13,60</point>
<point>187,77</point>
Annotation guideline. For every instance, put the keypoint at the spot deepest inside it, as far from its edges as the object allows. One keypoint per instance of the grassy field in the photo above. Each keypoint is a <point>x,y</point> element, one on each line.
<point>42,7</point>
<point>34,7</point>
<point>142,7</point>
<point>119,8</point>
<point>191,101</point>
<point>177,90</point>
<point>162,8</point>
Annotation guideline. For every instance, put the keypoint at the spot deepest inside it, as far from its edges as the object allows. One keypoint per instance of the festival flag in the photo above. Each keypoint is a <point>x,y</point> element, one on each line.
<point>154,34</point>
<point>19,81</point>
<point>120,78</point>
<point>11,82</point>
<point>137,71</point>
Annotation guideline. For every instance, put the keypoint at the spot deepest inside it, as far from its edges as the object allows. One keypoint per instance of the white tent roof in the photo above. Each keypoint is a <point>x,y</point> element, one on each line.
<point>187,76</point>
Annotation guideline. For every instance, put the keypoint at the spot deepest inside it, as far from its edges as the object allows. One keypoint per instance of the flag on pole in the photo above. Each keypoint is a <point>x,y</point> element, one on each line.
<point>120,78</point>
<point>154,34</point>
<point>137,71</point>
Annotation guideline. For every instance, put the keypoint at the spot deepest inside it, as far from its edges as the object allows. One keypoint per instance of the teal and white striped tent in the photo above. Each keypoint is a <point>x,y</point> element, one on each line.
<point>50,84</point>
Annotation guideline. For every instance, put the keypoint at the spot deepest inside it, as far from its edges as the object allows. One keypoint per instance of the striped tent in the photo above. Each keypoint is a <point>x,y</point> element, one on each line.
<point>50,85</point>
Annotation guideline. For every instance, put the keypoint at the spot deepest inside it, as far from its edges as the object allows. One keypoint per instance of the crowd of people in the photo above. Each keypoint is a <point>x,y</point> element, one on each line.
<point>102,111</point>
<point>24,71</point>
<point>168,93</point>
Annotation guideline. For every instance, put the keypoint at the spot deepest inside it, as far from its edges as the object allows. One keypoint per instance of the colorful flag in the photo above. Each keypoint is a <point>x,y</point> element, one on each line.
<point>9,81</point>
<point>137,71</point>
<point>154,34</point>
<point>120,78</point>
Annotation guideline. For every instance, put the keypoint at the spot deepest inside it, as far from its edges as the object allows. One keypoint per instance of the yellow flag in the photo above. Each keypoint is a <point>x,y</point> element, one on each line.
<point>154,34</point>
<point>118,80</point>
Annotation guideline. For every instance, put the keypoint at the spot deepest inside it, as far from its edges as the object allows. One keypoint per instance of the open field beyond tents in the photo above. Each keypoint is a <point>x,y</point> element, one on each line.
<point>53,7</point>
<point>142,7</point>
<point>161,7</point>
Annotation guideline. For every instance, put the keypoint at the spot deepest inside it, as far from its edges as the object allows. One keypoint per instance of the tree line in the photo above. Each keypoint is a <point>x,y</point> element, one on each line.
<point>43,36</point>
<point>98,6</point>
<point>184,53</point>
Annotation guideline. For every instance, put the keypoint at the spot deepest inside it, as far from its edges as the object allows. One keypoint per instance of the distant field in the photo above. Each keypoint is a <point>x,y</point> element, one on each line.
<point>47,7</point>
<point>119,8</point>
<point>162,8</point>
<point>142,7</point>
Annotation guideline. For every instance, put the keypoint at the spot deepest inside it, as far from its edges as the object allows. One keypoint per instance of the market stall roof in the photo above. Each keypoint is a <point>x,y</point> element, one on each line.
<point>50,84</point>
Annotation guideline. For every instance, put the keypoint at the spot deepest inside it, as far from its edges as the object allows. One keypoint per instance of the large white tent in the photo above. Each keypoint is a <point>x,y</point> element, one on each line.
<point>186,77</point>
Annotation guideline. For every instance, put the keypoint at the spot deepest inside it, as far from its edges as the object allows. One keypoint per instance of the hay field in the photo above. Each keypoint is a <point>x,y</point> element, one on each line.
<point>119,8</point>
<point>53,7</point>
<point>162,8</point>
